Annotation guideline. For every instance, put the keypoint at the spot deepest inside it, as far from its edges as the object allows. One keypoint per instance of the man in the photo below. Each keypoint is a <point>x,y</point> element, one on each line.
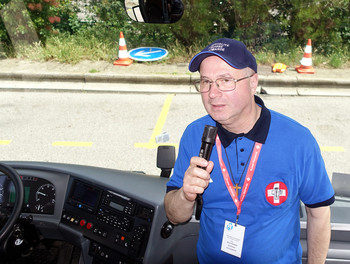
<point>262,165</point>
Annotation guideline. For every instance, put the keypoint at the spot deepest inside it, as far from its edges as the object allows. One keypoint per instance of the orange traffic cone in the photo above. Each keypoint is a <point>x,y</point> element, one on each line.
<point>123,58</point>
<point>306,61</point>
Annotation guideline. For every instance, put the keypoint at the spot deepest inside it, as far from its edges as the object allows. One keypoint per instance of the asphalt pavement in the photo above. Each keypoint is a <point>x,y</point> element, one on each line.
<point>156,77</point>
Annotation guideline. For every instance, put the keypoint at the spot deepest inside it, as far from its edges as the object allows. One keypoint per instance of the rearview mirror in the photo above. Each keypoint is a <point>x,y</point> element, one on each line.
<point>154,11</point>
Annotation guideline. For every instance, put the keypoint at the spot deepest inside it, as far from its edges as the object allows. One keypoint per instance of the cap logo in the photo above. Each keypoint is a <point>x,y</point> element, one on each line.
<point>218,47</point>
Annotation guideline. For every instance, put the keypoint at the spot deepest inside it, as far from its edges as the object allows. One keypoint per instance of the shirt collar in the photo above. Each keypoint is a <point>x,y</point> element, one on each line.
<point>257,134</point>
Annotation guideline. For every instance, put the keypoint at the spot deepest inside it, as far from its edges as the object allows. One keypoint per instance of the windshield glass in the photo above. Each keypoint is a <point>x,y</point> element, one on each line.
<point>73,91</point>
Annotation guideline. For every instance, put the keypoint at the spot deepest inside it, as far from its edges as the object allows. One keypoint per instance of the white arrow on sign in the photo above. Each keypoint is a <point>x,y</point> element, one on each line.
<point>144,53</point>
<point>147,53</point>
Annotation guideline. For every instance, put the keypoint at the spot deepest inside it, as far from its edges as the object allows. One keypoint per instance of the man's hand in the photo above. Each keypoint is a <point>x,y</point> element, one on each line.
<point>179,203</point>
<point>196,179</point>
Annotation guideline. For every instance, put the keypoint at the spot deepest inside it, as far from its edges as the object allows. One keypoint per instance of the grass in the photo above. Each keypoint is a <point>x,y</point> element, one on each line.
<point>69,49</point>
<point>75,48</point>
<point>340,59</point>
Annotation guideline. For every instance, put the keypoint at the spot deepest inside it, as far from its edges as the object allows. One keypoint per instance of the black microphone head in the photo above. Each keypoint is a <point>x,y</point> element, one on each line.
<point>209,134</point>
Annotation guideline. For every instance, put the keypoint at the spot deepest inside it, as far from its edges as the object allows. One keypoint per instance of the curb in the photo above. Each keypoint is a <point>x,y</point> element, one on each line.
<point>301,86</point>
<point>96,78</point>
<point>271,85</point>
<point>302,82</point>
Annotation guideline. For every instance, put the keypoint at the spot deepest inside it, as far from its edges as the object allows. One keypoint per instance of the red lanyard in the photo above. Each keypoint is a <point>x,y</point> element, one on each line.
<point>248,177</point>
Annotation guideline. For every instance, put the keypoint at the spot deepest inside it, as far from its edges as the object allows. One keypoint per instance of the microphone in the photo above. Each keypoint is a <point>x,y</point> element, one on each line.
<point>208,140</point>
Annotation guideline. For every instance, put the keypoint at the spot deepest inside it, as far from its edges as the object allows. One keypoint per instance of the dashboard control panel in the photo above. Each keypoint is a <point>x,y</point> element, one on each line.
<point>118,226</point>
<point>39,194</point>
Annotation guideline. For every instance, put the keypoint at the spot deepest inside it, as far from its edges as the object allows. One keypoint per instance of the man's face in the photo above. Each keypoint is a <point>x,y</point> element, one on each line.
<point>232,107</point>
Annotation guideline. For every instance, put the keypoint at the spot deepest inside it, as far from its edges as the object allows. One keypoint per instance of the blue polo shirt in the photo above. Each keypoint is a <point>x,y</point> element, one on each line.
<point>290,169</point>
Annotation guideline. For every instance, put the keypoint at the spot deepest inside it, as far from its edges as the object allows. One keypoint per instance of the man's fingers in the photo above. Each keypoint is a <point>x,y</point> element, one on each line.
<point>198,162</point>
<point>191,191</point>
<point>210,166</point>
<point>196,179</point>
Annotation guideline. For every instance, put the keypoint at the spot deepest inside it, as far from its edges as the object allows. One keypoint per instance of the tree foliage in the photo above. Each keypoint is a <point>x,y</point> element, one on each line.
<point>272,24</point>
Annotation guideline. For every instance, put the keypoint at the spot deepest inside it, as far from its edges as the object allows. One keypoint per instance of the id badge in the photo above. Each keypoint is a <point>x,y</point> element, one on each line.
<point>232,240</point>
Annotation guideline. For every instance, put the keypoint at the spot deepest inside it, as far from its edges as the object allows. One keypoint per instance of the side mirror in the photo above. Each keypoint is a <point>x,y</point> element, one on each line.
<point>154,11</point>
<point>165,160</point>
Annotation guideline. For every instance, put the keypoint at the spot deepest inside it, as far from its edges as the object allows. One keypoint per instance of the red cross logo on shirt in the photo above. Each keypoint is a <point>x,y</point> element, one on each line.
<point>276,193</point>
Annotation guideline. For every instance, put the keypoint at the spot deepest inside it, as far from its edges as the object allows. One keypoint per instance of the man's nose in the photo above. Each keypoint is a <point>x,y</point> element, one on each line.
<point>214,90</point>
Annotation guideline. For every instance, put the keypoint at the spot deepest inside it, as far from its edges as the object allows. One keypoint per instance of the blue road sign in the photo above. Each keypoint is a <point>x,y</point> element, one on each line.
<point>147,54</point>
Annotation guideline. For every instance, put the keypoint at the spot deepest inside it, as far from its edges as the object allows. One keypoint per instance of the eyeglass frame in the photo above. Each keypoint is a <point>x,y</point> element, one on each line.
<point>197,82</point>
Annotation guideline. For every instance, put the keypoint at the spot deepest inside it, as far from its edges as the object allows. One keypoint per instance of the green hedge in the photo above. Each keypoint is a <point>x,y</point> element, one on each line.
<point>275,26</point>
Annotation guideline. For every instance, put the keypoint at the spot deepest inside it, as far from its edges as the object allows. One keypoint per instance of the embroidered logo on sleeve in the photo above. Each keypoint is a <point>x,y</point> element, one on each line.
<point>276,193</point>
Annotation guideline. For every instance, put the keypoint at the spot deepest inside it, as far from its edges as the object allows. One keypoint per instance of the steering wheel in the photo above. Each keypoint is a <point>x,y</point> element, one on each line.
<point>17,182</point>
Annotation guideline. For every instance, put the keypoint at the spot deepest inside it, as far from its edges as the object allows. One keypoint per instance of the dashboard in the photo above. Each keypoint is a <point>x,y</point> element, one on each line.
<point>113,216</point>
<point>109,218</point>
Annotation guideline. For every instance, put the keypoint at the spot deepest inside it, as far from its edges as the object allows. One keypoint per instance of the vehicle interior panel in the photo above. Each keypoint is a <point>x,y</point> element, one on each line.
<point>108,214</point>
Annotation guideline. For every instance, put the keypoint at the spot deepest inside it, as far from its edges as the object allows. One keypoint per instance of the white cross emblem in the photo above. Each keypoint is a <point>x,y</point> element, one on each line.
<point>276,193</point>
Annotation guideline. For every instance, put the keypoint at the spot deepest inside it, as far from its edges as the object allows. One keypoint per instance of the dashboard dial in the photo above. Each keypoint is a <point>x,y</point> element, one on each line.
<point>45,199</point>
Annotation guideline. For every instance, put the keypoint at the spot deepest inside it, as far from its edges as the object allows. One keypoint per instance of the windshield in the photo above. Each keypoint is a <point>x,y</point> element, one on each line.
<point>66,99</point>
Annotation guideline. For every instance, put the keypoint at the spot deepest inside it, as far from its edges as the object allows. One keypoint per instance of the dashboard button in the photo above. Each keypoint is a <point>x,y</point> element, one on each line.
<point>82,222</point>
<point>89,226</point>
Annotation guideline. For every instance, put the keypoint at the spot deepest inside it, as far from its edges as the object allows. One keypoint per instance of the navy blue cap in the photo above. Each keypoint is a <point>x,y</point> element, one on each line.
<point>232,51</point>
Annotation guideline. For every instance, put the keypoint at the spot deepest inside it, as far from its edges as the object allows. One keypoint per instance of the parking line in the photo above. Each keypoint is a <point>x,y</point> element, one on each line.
<point>71,144</point>
<point>151,144</point>
<point>5,142</point>
<point>332,149</point>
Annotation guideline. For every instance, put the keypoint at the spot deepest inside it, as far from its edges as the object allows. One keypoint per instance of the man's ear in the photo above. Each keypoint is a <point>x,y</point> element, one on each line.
<point>254,80</point>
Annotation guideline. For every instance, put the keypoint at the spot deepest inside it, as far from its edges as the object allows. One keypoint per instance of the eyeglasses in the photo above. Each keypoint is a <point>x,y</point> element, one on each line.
<point>223,84</point>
